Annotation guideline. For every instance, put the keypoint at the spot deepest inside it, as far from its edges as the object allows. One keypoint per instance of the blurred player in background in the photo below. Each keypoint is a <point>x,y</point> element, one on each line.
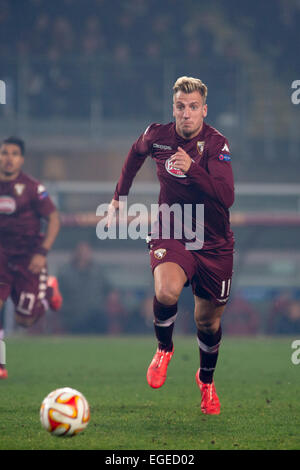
<point>193,167</point>
<point>24,202</point>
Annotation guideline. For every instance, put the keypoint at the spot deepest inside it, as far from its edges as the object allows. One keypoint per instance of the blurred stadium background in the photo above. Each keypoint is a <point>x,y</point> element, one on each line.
<point>85,77</point>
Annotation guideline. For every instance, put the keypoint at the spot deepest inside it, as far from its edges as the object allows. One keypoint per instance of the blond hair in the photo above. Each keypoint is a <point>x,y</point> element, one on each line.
<point>189,85</point>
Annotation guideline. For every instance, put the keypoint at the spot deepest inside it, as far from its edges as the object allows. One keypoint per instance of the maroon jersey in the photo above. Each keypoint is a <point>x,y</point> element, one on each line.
<point>209,180</point>
<point>23,203</point>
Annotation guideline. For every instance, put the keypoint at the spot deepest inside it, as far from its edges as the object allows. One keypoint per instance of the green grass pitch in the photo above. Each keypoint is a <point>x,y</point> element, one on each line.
<point>258,386</point>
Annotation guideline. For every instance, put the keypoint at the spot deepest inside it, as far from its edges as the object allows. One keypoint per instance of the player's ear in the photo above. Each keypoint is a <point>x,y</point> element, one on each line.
<point>205,110</point>
<point>173,109</point>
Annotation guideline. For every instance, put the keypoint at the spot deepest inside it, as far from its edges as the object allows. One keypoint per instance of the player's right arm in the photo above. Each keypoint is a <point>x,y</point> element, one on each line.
<point>134,161</point>
<point>113,208</point>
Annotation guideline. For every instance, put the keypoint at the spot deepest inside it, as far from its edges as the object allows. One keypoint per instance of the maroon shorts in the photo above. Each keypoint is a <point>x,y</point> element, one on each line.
<point>208,272</point>
<point>28,291</point>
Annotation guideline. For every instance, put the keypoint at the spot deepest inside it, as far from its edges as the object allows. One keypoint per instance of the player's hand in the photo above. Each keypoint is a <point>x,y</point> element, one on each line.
<point>37,263</point>
<point>113,208</point>
<point>181,160</point>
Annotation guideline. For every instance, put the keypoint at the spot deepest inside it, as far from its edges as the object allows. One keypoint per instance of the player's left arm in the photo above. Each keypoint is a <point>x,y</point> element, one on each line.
<point>53,227</point>
<point>46,210</point>
<point>218,181</point>
<point>38,260</point>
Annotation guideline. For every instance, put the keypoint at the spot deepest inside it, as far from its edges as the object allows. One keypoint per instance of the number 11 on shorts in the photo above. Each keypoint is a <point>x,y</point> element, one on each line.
<point>225,288</point>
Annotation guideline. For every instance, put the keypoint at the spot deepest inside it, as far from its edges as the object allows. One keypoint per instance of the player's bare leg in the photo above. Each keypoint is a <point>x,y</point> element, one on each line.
<point>25,321</point>
<point>169,279</point>
<point>208,321</point>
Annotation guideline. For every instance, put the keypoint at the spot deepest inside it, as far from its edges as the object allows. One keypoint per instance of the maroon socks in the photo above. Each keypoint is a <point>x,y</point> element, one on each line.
<point>209,349</point>
<point>164,318</point>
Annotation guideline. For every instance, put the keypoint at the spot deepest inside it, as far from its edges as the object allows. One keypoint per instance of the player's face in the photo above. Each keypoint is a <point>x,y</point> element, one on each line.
<point>11,160</point>
<point>189,112</point>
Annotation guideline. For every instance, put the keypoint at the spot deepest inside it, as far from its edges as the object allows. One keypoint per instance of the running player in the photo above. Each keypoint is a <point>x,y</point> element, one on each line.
<point>24,202</point>
<point>193,168</point>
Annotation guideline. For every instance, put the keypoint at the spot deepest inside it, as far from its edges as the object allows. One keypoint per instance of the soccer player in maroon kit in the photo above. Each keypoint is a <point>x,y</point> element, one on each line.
<point>24,202</point>
<point>193,167</point>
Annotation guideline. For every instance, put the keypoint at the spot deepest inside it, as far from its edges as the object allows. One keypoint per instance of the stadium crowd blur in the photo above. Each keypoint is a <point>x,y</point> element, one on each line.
<point>50,37</point>
<point>70,59</point>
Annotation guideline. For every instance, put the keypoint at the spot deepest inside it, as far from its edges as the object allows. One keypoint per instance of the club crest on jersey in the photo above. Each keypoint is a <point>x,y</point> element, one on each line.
<point>19,188</point>
<point>160,253</point>
<point>200,147</point>
<point>7,205</point>
<point>173,170</point>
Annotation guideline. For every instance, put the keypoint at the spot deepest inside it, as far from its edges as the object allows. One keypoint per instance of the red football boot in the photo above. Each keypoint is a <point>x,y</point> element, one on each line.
<point>157,371</point>
<point>3,372</point>
<point>210,404</point>
<point>56,299</point>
